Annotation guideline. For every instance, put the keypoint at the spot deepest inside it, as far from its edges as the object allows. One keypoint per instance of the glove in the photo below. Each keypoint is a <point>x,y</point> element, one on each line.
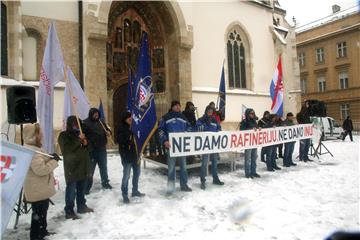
<point>55,156</point>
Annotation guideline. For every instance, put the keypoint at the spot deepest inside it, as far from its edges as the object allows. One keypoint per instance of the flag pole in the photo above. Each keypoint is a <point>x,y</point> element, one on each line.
<point>72,102</point>
<point>217,103</point>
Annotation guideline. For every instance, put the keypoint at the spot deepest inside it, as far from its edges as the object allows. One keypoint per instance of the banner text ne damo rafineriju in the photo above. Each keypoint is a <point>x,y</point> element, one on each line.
<point>195,143</point>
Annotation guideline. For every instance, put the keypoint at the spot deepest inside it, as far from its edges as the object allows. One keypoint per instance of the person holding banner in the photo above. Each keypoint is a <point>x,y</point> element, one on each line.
<point>39,182</point>
<point>271,164</point>
<point>289,147</point>
<point>303,117</point>
<point>250,154</point>
<point>174,121</point>
<point>207,123</point>
<point>129,157</point>
<point>74,147</point>
<point>97,132</point>
<point>264,122</point>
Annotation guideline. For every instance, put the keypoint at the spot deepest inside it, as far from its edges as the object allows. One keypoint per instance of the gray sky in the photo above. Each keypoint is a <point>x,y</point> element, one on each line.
<point>306,11</point>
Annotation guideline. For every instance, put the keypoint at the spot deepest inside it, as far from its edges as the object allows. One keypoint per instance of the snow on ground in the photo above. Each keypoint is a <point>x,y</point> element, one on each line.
<point>308,201</point>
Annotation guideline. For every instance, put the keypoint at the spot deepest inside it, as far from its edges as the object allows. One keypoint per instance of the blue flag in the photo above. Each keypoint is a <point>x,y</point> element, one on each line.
<point>130,95</point>
<point>143,110</point>
<point>101,112</point>
<point>222,95</point>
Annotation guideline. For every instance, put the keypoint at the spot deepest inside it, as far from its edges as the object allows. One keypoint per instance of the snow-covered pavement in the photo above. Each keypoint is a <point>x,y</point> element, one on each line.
<point>308,201</point>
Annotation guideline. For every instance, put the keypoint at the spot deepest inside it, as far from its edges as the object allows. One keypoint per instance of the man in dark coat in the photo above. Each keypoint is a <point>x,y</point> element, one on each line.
<point>289,146</point>
<point>189,113</point>
<point>96,132</point>
<point>129,157</point>
<point>348,127</point>
<point>264,122</point>
<point>73,146</point>
<point>303,117</point>
<point>250,154</point>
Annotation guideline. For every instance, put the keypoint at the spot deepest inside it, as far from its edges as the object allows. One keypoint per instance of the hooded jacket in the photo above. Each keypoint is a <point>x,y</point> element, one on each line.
<point>126,140</point>
<point>207,123</point>
<point>190,114</point>
<point>172,122</point>
<point>265,122</point>
<point>248,123</point>
<point>76,156</point>
<point>39,182</point>
<point>94,131</point>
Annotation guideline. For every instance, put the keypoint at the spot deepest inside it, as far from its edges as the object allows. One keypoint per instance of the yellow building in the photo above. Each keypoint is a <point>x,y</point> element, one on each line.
<point>329,57</point>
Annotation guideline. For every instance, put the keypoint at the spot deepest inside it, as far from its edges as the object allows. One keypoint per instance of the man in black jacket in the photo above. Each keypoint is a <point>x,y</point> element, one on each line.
<point>96,132</point>
<point>348,127</point>
<point>189,113</point>
<point>303,117</point>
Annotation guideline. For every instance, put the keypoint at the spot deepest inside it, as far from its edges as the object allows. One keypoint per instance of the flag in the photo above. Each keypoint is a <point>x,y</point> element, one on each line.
<point>277,90</point>
<point>143,109</point>
<point>52,71</point>
<point>130,87</point>
<point>243,110</point>
<point>73,92</point>
<point>14,164</point>
<point>101,112</point>
<point>222,95</point>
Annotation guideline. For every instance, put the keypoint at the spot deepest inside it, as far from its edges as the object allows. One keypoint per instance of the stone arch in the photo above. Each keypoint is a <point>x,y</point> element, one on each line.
<point>248,50</point>
<point>34,33</point>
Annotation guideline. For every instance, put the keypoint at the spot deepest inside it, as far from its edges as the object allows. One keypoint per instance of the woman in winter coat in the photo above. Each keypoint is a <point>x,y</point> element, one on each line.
<point>39,182</point>
<point>207,123</point>
<point>129,157</point>
<point>73,146</point>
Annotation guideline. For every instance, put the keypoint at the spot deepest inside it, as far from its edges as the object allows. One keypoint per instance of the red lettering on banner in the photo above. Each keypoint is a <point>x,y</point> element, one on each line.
<point>261,135</point>
<point>308,131</point>
<point>246,138</point>
<point>240,141</point>
<point>233,140</point>
<point>254,138</point>
<point>46,81</point>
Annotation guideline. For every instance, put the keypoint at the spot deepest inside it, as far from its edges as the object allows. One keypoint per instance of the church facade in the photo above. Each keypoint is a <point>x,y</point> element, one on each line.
<point>189,44</point>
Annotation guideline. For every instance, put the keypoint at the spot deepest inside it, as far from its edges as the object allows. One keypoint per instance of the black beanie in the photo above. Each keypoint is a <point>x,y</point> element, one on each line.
<point>174,102</point>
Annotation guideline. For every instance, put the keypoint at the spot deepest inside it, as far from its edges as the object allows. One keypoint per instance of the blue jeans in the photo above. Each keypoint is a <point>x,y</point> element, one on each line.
<point>126,175</point>
<point>304,149</point>
<point>75,190</point>
<point>270,153</point>
<point>250,162</point>
<point>289,149</point>
<point>98,156</point>
<point>172,172</point>
<point>204,164</point>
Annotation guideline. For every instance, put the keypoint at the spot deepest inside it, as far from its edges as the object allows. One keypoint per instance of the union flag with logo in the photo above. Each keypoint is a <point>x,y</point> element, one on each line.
<point>14,165</point>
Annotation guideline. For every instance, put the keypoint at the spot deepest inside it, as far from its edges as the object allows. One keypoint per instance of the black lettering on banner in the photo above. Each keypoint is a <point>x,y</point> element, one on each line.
<point>198,143</point>
<point>224,141</point>
<point>186,144</point>
<point>290,133</point>
<point>176,143</point>
<point>206,143</point>
<point>300,132</point>
<point>281,134</point>
<point>215,142</point>
<point>285,134</point>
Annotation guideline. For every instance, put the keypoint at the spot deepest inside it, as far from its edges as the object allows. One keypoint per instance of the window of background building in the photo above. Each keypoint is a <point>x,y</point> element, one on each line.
<point>320,55</point>
<point>4,47</point>
<point>236,60</point>
<point>341,49</point>
<point>344,110</point>
<point>321,83</point>
<point>303,84</point>
<point>302,59</point>
<point>30,58</point>
<point>344,82</point>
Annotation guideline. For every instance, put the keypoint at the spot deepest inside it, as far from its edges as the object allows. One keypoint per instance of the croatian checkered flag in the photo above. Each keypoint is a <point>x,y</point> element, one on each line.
<point>14,165</point>
<point>277,90</point>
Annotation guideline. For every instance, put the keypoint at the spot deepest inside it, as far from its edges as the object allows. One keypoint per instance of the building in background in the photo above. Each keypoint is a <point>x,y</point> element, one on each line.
<point>329,58</point>
<point>189,42</point>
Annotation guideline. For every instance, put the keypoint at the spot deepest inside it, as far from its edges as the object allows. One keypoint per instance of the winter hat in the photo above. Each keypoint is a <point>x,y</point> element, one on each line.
<point>208,108</point>
<point>174,102</point>
<point>290,114</point>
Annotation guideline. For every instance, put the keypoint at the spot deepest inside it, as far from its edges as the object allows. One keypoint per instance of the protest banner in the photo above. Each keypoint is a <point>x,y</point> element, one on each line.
<point>195,143</point>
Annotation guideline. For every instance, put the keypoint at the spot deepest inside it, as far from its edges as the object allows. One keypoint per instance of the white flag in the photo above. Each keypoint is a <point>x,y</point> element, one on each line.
<point>14,165</point>
<point>73,92</point>
<point>52,71</point>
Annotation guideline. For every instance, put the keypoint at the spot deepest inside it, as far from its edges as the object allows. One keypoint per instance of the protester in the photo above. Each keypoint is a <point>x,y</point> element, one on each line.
<point>264,122</point>
<point>129,157</point>
<point>74,147</point>
<point>348,127</point>
<point>39,182</point>
<point>250,154</point>
<point>303,117</point>
<point>189,113</point>
<point>216,114</point>
<point>271,162</point>
<point>208,124</point>
<point>289,146</point>
<point>174,121</point>
<point>279,147</point>
<point>96,132</point>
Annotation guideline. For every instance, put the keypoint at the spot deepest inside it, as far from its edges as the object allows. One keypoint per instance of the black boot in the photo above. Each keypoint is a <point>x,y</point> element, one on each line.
<point>126,200</point>
<point>138,194</point>
<point>217,181</point>
<point>186,188</point>
<point>202,185</point>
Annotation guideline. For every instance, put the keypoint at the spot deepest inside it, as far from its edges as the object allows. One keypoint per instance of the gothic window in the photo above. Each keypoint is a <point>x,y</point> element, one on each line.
<point>4,46</point>
<point>136,32</point>
<point>158,58</point>
<point>127,30</point>
<point>30,58</point>
<point>236,60</point>
<point>119,63</point>
<point>118,38</point>
<point>159,82</point>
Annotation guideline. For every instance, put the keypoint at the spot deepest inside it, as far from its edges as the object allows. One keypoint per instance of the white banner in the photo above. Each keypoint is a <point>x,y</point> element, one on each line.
<point>14,165</point>
<point>195,143</point>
